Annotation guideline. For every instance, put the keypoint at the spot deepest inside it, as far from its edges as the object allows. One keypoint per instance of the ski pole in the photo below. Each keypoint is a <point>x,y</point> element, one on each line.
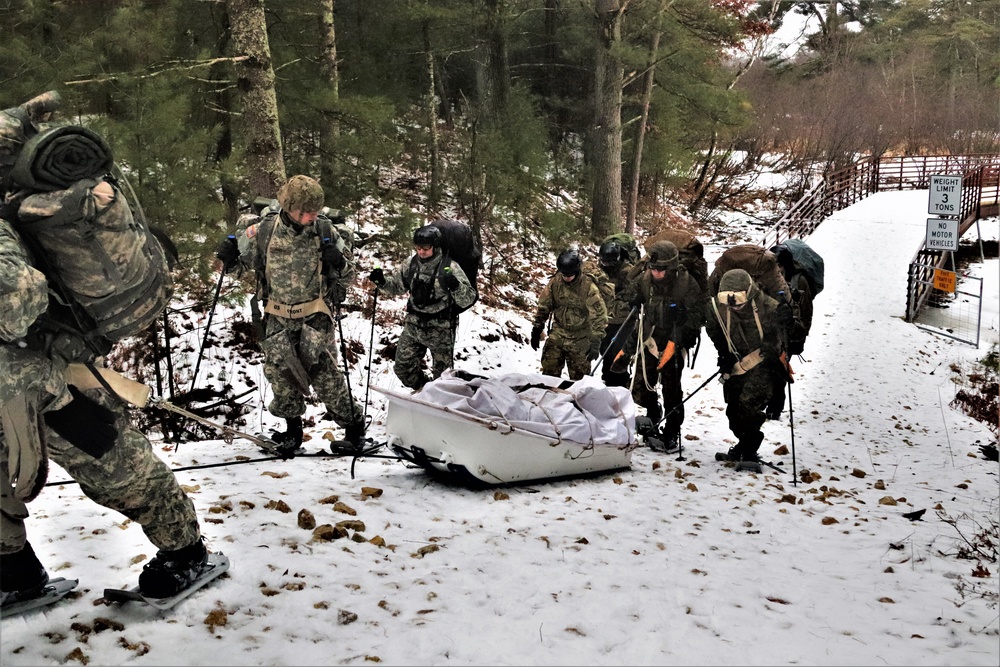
<point>208,325</point>
<point>697,348</point>
<point>689,396</point>
<point>791,427</point>
<point>371,349</point>
<point>347,371</point>
<point>615,344</point>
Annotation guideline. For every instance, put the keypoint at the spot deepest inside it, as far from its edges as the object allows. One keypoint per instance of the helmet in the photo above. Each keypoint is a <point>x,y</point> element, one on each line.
<point>569,262</point>
<point>663,255</point>
<point>427,235</point>
<point>610,253</point>
<point>301,193</point>
<point>736,288</point>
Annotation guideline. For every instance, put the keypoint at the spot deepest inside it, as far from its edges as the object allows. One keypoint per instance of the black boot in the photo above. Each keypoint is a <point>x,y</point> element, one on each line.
<point>355,434</point>
<point>291,438</point>
<point>170,572</point>
<point>22,576</point>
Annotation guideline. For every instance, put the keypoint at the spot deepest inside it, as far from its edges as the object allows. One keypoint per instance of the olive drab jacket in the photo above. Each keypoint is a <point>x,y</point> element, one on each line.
<point>577,308</point>
<point>673,309</point>
<point>751,333</point>
<point>428,298</point>
<point>618,305</point>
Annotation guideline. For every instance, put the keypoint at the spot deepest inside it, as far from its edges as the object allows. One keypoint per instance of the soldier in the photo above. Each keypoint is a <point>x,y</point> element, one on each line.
<point>303,269</point>
<point>764,269</point>
<point>436,291</point>
<point>613,260</point>
<point>672,317</point>
<point>52,407</point>
<point>802,289</point>
<point>579,319</point>
<point>743,324</point>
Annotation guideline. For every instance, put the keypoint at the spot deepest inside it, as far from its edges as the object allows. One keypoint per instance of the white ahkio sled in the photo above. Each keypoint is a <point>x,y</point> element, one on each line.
<point>512,429</point>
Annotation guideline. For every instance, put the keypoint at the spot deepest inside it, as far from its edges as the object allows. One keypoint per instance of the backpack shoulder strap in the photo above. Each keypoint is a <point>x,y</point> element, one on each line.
<point>445,262</point>
<point>265,231</point>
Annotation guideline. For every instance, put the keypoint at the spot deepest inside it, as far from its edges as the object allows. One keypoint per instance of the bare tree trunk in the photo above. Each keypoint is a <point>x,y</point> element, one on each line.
<point>647,93</point>
<point>606,213</point>
<point>255,82</point>
<point>329,166</point>
<point>434,191</point>
<point>495,72</point>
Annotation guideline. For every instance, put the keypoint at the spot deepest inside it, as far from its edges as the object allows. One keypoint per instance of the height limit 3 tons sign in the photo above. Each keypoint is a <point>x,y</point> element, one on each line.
<point>945,195</point>
<point>942,234</point>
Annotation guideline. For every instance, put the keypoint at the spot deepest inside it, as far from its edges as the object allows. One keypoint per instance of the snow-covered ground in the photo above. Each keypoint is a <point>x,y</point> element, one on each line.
<point>673,562</point>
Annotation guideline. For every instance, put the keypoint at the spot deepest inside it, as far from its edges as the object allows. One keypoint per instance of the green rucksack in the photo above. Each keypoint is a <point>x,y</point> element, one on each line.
<point>627,243</point>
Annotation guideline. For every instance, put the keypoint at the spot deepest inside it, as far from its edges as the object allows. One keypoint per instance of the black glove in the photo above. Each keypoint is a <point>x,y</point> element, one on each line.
<point>449,281</point>
<point>595,349</point>
<point>678,313</point>
<point>228,253</point>
<point>333,259</point>
<point>784,314</point>
<point>377,276</point>
<point>536,337</point>
<point>85,424</point>
<point>726,361</point>
<point>689,340</point>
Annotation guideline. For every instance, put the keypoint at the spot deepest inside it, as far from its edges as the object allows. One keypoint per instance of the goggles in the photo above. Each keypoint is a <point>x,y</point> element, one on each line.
<point>733,298</point>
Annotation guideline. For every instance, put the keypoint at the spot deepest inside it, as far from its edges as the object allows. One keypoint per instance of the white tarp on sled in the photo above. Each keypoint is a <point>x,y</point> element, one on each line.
<point>515,427</point>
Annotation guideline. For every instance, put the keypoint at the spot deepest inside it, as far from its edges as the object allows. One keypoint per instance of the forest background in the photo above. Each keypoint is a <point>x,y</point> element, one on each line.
<point>539,122</point>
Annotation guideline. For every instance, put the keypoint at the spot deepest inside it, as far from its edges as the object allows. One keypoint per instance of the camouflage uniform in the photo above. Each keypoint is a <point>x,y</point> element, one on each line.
<point>672,313</point>
<point>579,319</point>
<point>768,276</point>
<point>300,347</point>
<point>742,334</point>
<point>618,308</point>
<point>429,323</point>
<point>129,478</point>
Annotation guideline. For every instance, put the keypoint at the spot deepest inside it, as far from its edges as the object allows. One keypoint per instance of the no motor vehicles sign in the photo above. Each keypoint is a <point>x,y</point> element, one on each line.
<point>942,234</point>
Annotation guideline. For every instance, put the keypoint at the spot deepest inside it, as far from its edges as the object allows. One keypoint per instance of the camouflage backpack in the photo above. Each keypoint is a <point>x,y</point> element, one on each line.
<point>93,244</point>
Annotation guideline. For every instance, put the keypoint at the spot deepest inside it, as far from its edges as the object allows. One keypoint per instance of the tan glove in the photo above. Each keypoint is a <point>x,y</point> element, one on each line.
<point>27,458</point>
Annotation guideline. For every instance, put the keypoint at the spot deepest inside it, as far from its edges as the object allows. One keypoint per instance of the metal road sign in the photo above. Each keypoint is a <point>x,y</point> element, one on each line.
<point>942,234</point>
<point>945,195</point>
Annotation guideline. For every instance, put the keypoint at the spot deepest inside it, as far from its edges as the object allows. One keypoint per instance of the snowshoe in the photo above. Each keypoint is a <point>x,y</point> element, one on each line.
<point>18,602</point>
<point>741,461</point>
<point>287,443</point>
<point>170,572</point>
<point>271,446</point>
<point>663,444</point>
<point>214,565</point>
